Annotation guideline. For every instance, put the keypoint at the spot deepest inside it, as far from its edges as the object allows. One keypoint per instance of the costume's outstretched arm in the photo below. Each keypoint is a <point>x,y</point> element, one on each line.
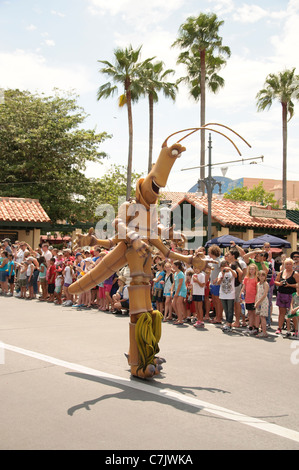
<point>197,261</point>
<point>91,240</point>
<point>110,264</point>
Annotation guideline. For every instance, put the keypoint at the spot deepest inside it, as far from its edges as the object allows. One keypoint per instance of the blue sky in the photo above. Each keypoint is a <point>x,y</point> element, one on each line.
<point>57,44</point>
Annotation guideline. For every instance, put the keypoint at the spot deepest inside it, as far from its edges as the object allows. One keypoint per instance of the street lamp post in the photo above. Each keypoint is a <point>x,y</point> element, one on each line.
<point>210,184</point>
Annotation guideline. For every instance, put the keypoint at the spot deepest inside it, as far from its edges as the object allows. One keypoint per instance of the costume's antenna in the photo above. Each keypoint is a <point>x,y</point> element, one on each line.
<point>205,128</point>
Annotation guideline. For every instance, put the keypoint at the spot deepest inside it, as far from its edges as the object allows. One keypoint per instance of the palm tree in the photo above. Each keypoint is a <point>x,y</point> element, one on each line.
<point>199,37</point>
<point>154,81</point>
<point>125,72</point>
<point>283,87</point>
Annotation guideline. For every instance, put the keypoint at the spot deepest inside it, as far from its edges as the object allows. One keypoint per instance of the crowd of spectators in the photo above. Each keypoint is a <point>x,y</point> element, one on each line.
<point>234,290</point>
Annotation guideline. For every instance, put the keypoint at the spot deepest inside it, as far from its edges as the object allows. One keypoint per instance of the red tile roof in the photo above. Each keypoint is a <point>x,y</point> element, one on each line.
<point>231,212</point>
<point>13,209</point>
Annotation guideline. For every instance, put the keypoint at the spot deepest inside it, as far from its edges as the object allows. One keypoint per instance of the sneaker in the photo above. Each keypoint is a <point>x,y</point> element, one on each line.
<point>295,334</point>
<point>263,335</point>
<point>288,334</point>
<point>226,329</point>
<point>278,331</point>
<point>198,324</point>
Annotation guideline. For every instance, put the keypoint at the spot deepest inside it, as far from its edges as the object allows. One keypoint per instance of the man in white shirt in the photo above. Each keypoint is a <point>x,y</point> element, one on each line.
<point>46,253</point>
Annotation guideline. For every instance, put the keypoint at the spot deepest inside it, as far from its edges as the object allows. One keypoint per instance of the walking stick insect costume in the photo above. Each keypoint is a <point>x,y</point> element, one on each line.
<point>132,246</point>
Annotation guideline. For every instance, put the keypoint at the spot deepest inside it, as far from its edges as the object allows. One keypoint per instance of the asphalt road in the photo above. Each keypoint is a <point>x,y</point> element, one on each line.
<point>65,384</point>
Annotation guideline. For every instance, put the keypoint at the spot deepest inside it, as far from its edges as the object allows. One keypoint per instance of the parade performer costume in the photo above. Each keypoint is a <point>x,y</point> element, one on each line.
<point>133,246</point>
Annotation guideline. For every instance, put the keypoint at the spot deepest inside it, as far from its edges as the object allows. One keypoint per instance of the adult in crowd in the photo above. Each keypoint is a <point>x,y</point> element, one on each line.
<point>286,282</point>
<point>295,257</point>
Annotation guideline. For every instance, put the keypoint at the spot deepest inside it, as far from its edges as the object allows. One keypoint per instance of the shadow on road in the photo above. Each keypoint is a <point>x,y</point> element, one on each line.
<point>129,393</point>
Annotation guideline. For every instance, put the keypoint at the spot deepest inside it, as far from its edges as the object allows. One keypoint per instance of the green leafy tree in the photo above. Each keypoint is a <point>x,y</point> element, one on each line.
<point>283,87</point>
<point>104,197</point>
<point>110,188</point>
<point>125,72</point>
<point>44,151</point>
<point>255,194</point>
<point>203,54</point>
<point>154,81</point>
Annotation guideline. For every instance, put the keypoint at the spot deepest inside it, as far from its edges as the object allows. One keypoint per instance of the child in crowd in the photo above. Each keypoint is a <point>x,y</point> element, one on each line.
<point>122,296</point>
<point>68,274</point>
<point>189,304</point>
<point>108,283</point>
<point>179,292</point>
<point>198,295</point>
<point>23,279</point>
<point>11,273</point>
<point>58,286</point>
<point>30,269</point>
<point>118,296</point>
<point>226,280</point>
<point>42,278</point>
<point>262,304</point>
<point>158,284</point>
<point>168,281</point>
<point>51,276</point>
<point>250,289</point>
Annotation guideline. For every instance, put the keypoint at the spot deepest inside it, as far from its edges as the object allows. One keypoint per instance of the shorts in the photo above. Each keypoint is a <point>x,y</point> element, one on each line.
<point>42,280</point>
<point>283,300</point>
<point>198,298</point>
<point>214,289</point>
<point>30,283</point>
<point>22,282</point>
<point>3,276</point>
<point>158,295</point>
<point>51,288</point>
<point>12,279</point>
<point>125,304</point>
<point>66,284</point>
<point>107,288</point>
<point>57,290</point>
<point>250,306</point>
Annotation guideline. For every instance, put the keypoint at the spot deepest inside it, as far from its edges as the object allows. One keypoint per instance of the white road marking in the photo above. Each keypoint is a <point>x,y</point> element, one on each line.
<point>168,394</point>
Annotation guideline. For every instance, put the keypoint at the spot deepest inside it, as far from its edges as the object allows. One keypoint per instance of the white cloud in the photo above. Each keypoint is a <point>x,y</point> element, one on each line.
<point>31,27</point>
<point>222,6</point>
<point>38,75</point>
<point>50,42</point>
<point>249,13</point>
<point>253,13</point>
<point>286,44</point>
<point>134,12</point>
<point>58,13</point>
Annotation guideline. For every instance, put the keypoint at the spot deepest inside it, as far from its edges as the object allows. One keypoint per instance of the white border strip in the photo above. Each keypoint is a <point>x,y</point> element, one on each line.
<point>145,387</point>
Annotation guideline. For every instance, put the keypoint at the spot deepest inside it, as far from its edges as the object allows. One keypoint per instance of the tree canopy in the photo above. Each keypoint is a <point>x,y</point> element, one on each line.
<point>44,151</point>
<point>255,194</point>
<point>282,87</point>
